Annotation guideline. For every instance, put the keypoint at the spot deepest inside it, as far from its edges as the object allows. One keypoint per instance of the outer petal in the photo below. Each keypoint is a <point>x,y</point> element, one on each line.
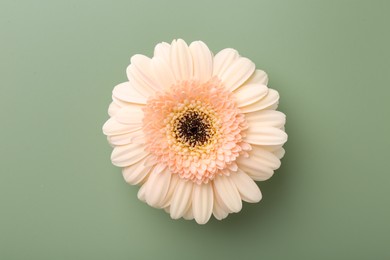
<point>247,188</point>
<point>279,153</point>
<point>228,193</point>
<point>137,81</point>
<point>181,60</point>
<point>258,77</point>
<point>158,186</point>
<point>172,186</point>
<point>162,72</point>
<point>181,199</point>
<point>237,73</point>
<point>130,115</point>
<point>249,94</point>
<point>136,173</point>
<point>202,202</point>
<point>260,164</point>
<point>126,92</point>
<point>265,135</point>
<point>113,127</point>
<point>113,109</point>
<point>223,60</point>
<point>127,155</point>
<point>270,99</point>
<point>162,51</point>
<point>126,138</point>
<point>219,210</point>
<point>142,69</point>
<point>203,61</point>
<point>263,118</point>
<point>189,215</point>
<point>142,193</point>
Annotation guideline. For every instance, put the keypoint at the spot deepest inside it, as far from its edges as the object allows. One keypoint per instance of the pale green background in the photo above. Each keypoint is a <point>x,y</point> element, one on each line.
<point>60,197</point>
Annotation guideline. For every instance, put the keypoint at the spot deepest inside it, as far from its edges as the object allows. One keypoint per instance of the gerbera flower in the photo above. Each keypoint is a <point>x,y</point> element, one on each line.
<point>195,130</point>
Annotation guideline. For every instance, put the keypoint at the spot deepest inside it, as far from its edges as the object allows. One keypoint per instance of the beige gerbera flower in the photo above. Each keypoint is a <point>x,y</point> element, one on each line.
<point>195,130</point>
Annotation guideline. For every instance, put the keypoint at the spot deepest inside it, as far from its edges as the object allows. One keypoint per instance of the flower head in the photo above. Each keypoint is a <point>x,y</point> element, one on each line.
<point>195,130</point>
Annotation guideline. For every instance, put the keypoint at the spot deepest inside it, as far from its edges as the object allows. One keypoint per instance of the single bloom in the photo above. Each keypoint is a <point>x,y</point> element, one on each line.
<point>195,130</point>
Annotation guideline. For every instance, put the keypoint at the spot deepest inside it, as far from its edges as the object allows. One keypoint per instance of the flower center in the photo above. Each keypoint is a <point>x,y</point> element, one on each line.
<point>193,128</point>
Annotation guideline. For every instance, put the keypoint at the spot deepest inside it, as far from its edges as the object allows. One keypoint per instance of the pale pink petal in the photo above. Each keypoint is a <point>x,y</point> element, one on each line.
<point>181,60</point>
<point>142,68</point>
<point>260,164</point>
<point>219,210</point>
<point>142,193</point>
<point>270,99</point>
<point>247,188</point>
<point>162,72</point>
<point>223,60</point>
<point>237,73</point>
<point>189,215</point>
<point>279,153</point>
<point>258,77</point>
<point>202,202</point>
<point>126,138</point>
<point>113,109</point>
<point>263,118</point>
<point>157,186</point>
<point>127,155</point>
<point>181,199</point>
<point>172,187</point>
<point>137,82</point>
<point>130,115</point>
<point>265,135</point>
<point>228,193</point>
<point>249,94</point>
<point>203,61</point>
<point>136,173</point>
<point>162,51</point>
<point>113,127</point>
<point>126,92</point>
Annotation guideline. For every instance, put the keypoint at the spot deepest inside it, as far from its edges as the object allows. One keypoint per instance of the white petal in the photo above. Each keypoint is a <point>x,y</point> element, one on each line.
<point>136,173</point>
<point>142,66</point>
<point>250,93</point>
<point>228,193</point>
<point>202,202</point>
<point>279,153</point>
<point>113,127</point>
<point>260,164</point>
<point>270,99</point>
<point>247,188</point>
<point>130,115</point>
<point>203,61</point>
<point>258,77</point>
<point>113,108</point>
<point>266,118</point>
<point>127,155</point>
<point>137,82</point>
<point>237,73</point>
<point>219,210</point>
<point>189,214</point>
<point>172,186</point>
<point>157,186</point>
<point>223,60</point>
<point>162,72</point>
<point>181,60</point>
<point>181,199</point>
<point>123,139</point>
<point>142,193</point>
<point>162,50</point>
<point>126,92</point>
<point>265,135</point>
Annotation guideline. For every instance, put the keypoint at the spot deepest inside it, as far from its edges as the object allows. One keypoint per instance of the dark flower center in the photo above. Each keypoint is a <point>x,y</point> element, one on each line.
<point>193,128</point>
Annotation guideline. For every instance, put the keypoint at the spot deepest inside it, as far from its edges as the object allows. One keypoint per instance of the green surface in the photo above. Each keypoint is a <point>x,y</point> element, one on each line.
<point>60,197</point>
